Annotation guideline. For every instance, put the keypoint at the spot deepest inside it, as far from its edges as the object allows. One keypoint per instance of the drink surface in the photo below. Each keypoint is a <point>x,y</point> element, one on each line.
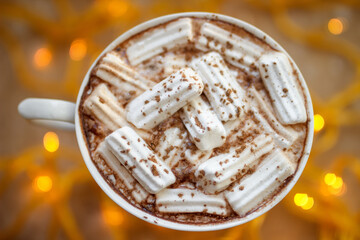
<point>195,121</point>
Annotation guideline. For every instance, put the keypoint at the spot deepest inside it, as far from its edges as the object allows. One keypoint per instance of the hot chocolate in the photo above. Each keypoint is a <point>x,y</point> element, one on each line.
<point>195,120</point>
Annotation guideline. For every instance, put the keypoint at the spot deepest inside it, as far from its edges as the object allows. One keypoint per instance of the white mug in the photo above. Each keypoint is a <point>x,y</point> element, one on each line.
<point>65,115</point>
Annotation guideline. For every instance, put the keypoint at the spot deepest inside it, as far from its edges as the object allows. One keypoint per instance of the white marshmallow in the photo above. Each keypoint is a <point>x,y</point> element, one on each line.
<point>182,200</point>
<point>220,87</point>
<point>238,51</point>
<point>217,173</point>
<point>104,106</point>
<point>204,127</point>
<point>137,191</point>
<point>280,81</point>
<point>115,71</point>
<point>239,129</point>
<point>164,99</point>
<point>135,155</point>
<point>152,43</point>
<point>253,189</point>
<point>170,146</point>
<point>284,136</point>
<point>196,157</point>
<point>173,63</point>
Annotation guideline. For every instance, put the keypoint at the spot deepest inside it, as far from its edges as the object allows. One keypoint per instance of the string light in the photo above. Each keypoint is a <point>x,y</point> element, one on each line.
<point>335,26</point>
<point>113,216</point>
<point>42,58</point>
<point>42,184</point>
<point>78,49</point>
<point>337,191</point>
<point>304,201</point>
<point>309,204</point>
<point>330,179</point>
<point>319,122</point>
<point>338,183</point>
<point>334,181</point>
<point>300,199</point>
<point>117,8</point>
<point>51,141</point>
<point>335,184</point>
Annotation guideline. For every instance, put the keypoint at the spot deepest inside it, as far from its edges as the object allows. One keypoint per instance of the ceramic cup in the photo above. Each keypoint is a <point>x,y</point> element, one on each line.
<point>65,115</point>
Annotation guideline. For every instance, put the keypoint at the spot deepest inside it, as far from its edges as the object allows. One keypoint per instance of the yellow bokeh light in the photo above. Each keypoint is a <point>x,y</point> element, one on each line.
<point>319,122</point>
<point>78,49</point>
<point>337,191</point>
<point>330,179</point>
<point>42,58</point>
<point>117,8</point>
<point>338,183</point>
<point>51,141</point>
<point>300,199</point>
<point>42,183</point>
<point>113,216</point>
<point>309,204</point>
<point>335,26</point>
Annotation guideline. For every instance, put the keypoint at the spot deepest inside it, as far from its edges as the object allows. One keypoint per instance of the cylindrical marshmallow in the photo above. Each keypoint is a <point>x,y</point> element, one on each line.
<point>254,188</point>
<point>279,79</point>
<point>217,173</point>
<point>164,99</point>
<point>136,156</point>
<point>206,130</point>
<point>220,87</point>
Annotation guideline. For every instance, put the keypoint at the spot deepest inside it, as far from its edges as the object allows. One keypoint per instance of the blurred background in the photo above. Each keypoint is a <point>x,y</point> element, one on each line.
<point>46,47</point>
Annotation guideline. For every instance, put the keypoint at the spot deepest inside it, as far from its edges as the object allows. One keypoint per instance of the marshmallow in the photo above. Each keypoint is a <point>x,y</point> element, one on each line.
<point>284,136</point>
<point>159,40</point>
<point>173,63</point>
<point>237,50</point>
<point>104,106</point>
<point>220,171</point>
<point>164,99</point>
<point>170,146</point>
<point>197,156</point>
<point>240,129</point>
<point>137,191</point>
<point>114,70</point>
<point>135,155</point>
<point>204,127</point>
<point>220,87</point>
<point>280,81</point>
<point>182,200</point>
<point>262,184</point>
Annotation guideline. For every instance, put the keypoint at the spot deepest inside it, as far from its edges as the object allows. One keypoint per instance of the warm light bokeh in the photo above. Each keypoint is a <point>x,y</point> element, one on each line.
<point>338,183</point>
<point>319,122</point>
<point>78,49</point>
<point>51,141</point>
<point>335,184</point>
<point>338,191</point>
<point>300,199</point>
<point>42,58</point>
<point>309,204</point>
<point>42,184</point>
<point>113,216</point>
<point>335,26</point>
<point>330,179</point>
<point>117,8</point>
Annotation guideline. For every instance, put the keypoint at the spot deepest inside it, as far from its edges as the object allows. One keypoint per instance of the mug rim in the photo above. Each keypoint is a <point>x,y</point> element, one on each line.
<point>124,204</point>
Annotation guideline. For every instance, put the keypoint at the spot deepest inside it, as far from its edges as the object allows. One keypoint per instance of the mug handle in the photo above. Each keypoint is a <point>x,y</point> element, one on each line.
<point>49,112</point>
